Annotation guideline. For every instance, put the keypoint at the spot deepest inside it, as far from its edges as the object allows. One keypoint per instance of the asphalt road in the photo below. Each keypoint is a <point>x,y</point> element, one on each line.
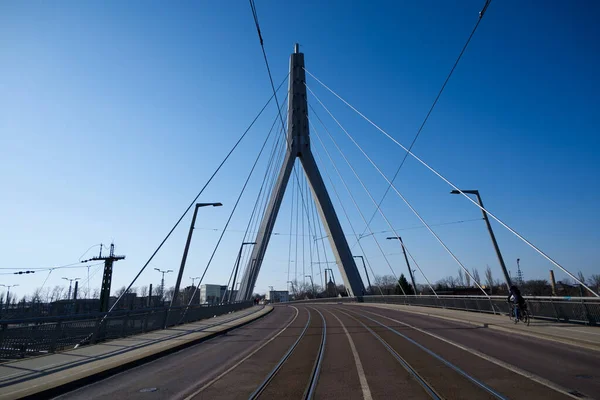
<point>356,352</point>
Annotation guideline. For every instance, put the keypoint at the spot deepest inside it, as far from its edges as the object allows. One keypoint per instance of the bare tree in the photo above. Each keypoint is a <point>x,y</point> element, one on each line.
<point>36,297</point>
<point>489,278</point>
<point>595,282</point>
<point>57,293</point>
<point>461,278</point>
<point>96,294</point>
<point>467,280</point>
<point>475,273</point>
<point>144,291</point>
<point>581,277</point>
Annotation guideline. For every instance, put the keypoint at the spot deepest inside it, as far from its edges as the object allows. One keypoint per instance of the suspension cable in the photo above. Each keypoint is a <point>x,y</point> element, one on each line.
<point>354,202</point>
<point>483,209</point>
<point>399,194</point>
<point>481,13</point>
<point>346,214</point>
<point>195,198</point>
<point>230,216</point>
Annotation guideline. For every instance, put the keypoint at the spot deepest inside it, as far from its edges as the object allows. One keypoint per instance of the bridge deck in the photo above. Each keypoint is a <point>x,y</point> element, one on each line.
<point>357,351</point>
<point>577,335</point>
<point>37,374</point>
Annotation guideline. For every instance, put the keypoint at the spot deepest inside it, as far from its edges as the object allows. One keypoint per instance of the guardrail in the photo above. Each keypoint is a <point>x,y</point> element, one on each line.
<point>585,310</point>
<point>35,336</point>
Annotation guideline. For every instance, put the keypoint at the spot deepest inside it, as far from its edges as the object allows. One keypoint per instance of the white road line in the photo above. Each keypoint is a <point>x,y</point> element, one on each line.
<point>243,359</point>
<point>364,385</point>
<point>491,359</point>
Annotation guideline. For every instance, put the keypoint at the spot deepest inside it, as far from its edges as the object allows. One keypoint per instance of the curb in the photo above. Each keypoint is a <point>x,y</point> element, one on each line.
<point>60,386</point>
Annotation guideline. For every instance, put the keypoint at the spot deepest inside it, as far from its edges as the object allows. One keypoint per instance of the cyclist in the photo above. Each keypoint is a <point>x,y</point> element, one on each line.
<point>514,297</point>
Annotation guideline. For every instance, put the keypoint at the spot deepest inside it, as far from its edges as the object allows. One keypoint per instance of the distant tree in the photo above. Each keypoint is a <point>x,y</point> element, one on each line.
<point>57,293</point>
<point>36,297</point>
<point>403,283</point>
<point>96,293</point>
<point>120,291</point>
<point>144,291</point>
<point>461,278</point>
<point>475,273</point>
<point>168,295</point>
<point>467,280</point>
<point>595,282</point>
<point>489,278</point>
<point>536,287</point>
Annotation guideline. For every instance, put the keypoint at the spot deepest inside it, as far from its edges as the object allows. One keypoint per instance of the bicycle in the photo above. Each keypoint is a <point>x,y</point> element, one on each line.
<point>523,314</point>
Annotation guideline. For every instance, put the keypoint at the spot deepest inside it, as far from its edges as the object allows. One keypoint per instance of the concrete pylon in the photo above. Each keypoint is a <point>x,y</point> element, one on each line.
<point>298,146</point>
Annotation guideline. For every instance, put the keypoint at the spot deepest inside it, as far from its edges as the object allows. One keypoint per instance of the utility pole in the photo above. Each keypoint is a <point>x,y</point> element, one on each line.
<point>519,273</point>
<point>107,276</point>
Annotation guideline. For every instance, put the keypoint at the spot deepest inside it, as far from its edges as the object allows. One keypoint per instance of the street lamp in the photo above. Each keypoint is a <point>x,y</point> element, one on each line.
<point>237,265</point>
<point>162,281</point>
<point>410,271</point>
<point>70,283</point>
<point>187,247</point>
<point>194,280</point>
<point>489,226</point>
<point>8,293</point>
<point>312,284</point>
<point>366,273</point>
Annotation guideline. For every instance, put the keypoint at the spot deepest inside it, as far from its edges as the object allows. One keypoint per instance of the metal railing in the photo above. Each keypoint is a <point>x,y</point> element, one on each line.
<point>35,336</point>
<point>583,310</point>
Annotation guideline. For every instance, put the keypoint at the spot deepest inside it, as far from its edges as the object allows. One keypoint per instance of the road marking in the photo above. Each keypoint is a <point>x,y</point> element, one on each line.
<point>364,385</point>
<point>491,359</point>
<point>420,380</point>
<point>243,359</point>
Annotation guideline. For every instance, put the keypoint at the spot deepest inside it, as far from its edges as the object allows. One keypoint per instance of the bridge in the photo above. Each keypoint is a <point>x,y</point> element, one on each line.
<point>360,339</point>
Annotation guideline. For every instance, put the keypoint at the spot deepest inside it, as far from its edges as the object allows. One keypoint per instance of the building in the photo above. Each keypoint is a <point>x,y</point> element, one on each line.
<point>211,294</point>
<point>277,296</point>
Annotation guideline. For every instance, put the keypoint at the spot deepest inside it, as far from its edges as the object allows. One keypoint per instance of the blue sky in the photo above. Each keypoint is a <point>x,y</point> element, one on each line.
<point>113,115</point>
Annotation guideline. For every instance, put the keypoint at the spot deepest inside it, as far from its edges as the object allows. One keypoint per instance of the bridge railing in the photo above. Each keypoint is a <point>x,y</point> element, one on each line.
<point>584,310</point>
<point>35,336</point>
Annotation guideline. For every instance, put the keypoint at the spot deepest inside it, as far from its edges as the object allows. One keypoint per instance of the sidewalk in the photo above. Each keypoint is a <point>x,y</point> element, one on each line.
<point>31,376</point>
<point>587,337</point>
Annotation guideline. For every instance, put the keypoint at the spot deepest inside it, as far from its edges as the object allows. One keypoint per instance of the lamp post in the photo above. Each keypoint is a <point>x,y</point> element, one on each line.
<point>70,283</point>
<point>366,273</point>
<point>410,271</point>
<point>237,265</point>
<point>8,293</point>
<point>311,283</point>
<point>489,227</point>
<point>187,247</point>
<point>162,282</point>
